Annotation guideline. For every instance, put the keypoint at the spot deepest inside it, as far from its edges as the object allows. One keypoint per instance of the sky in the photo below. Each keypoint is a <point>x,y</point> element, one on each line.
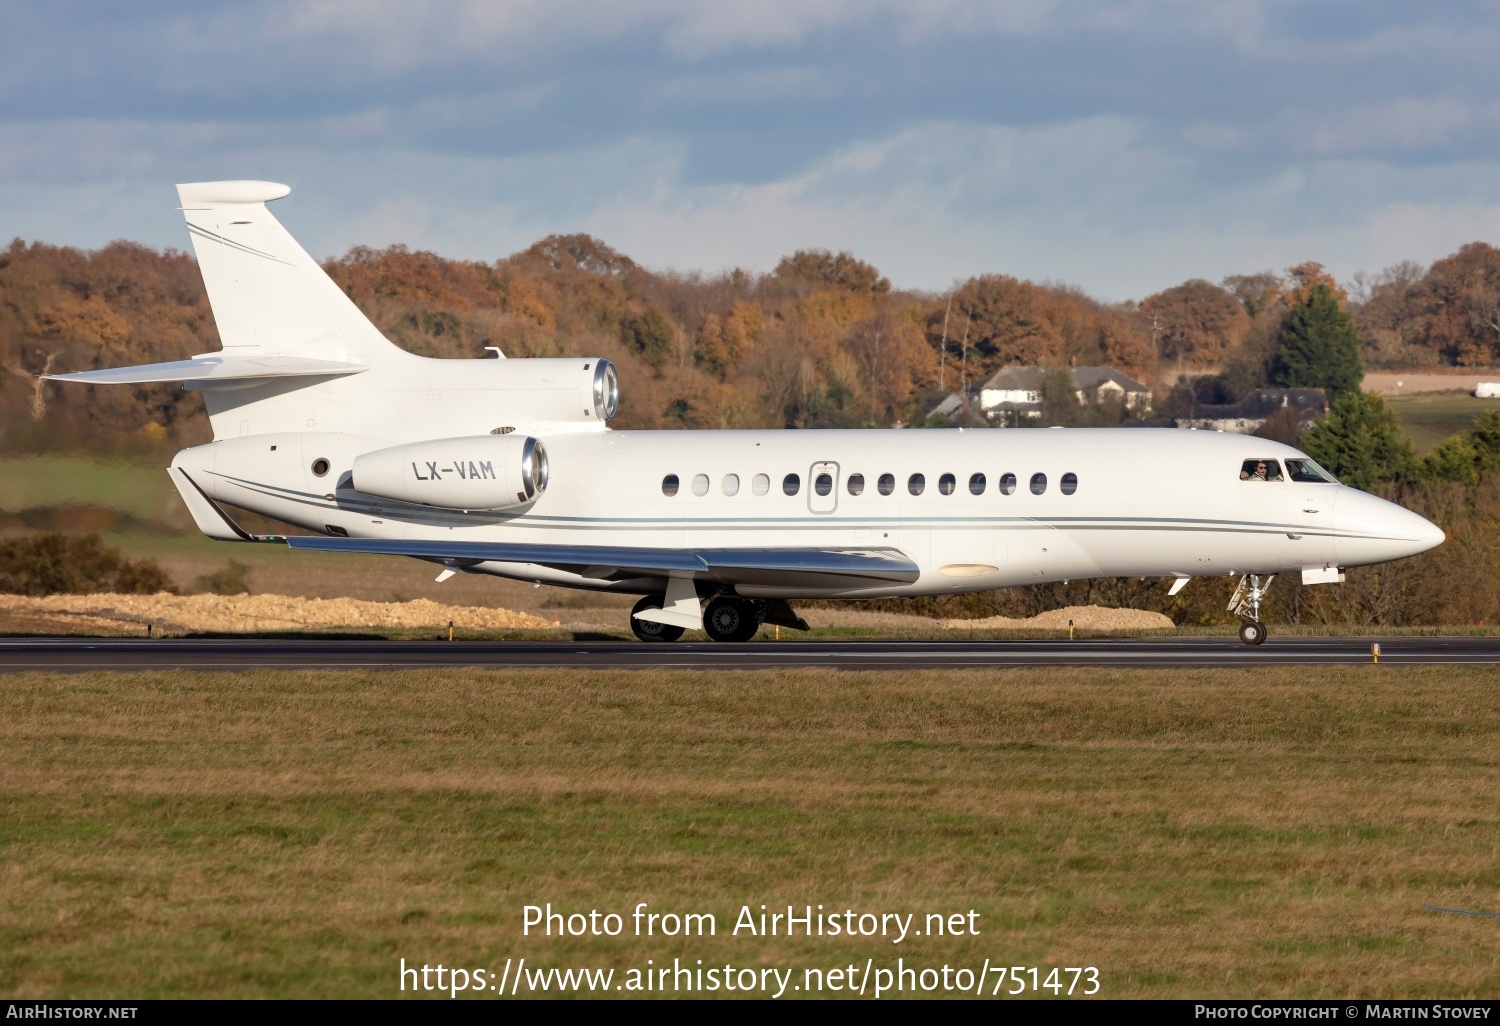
<point>1121,146</point>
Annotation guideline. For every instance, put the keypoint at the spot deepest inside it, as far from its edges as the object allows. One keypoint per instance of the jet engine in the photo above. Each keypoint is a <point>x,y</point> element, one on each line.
<point>478,472</point>
<point>557,390</point>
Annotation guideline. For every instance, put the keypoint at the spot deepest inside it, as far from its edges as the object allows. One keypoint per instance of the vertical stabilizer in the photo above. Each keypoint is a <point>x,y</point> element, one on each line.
<point>268,295</point>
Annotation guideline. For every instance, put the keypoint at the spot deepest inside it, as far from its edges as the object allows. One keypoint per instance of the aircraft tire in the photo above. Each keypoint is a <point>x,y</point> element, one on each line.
<point>1252,632</point>
<point>731,619</point>
<point>645,630</point>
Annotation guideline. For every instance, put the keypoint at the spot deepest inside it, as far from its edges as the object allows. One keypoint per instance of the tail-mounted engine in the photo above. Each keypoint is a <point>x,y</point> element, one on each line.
<point>478,472</point>
<point>554,391</point>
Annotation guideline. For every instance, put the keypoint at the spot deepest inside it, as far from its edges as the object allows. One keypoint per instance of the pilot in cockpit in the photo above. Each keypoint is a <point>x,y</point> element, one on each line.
<point>1260,470</point>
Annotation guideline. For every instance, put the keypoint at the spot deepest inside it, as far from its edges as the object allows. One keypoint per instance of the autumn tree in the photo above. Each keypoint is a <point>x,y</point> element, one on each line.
<point>1458,306</point>
<point>1005,321</point>
<point>1195,322</point>
<point>1393,336</point>
<point>649,335</point>
<point>1302,279</point>
<point>1256,292</point>
<point>818,267</point>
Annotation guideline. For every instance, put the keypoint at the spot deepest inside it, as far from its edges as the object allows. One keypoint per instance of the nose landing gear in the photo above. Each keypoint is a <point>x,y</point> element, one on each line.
<point>1246,604</point>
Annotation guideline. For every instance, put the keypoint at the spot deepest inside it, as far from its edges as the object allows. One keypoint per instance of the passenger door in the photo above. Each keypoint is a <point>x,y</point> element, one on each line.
<point>823,488</point>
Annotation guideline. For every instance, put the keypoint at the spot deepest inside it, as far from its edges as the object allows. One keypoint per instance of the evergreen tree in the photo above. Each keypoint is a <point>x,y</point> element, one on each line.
<point>1464,456</point>
<point>1319,346</point>
<point>1060,406</point>
<point>1360,441</point>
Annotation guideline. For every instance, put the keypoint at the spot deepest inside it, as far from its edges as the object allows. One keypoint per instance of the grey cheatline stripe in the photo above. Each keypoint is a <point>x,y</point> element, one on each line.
<point>221,240</point>
<point>553,522</point>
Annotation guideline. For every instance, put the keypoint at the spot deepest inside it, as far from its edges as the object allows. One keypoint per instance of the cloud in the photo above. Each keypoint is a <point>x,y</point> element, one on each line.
<point>1119,144</point>
<point>1409,123</point>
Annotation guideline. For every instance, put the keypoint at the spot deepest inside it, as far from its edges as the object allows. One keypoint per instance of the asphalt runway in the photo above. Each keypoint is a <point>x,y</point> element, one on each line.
<point>76,655</point>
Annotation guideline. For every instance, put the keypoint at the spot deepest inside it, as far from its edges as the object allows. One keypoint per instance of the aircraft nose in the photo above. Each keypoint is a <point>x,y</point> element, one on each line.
<point>1368,529</point>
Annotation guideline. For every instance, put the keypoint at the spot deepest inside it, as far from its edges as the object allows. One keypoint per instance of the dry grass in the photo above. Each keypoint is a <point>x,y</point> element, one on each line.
<point>261,613</point>
<point>1191,833</point>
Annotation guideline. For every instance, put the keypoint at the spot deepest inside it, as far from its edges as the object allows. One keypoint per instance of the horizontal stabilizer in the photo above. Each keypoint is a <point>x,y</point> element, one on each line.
<point>764,567</point>
<point>211,369</point>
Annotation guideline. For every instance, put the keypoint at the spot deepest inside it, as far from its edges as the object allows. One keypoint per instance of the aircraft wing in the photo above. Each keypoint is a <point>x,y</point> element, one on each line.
<point>785,567</point>
<point>214,368</point>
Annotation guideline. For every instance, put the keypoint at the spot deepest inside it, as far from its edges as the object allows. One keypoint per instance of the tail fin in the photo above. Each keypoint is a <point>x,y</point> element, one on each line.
<point>268,295</point>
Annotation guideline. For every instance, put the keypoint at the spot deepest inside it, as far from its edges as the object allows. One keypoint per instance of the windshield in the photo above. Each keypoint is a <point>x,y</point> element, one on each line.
<point>1307,470</point>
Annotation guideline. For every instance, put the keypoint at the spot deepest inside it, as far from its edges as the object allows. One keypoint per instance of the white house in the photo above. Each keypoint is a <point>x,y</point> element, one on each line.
<point>1020,389</point>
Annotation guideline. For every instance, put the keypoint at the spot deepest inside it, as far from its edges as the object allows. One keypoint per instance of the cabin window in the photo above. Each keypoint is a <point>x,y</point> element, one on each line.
<point>1260,470</point>
<point>947,484</point>
<point>700,484</point>
<point>730,485</point>
<point>1307,470</point>
<point>1038,484</point>
<point>976,484</point>
<point>823,484</point>
<point>669,485</point>
<point>1069,483</point>
<point>887,484</point>
<point>791,484</point>
<point>1007,484</point>
<point>760,484</point>
<point>319,467</point>
<point>916,484</point>
<point>856,484</point>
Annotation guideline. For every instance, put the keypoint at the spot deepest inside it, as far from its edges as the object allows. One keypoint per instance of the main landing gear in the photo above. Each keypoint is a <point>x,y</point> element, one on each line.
<point>726,617</point>
<point>731,618</point>
<point>1246,604</point>
<point>648,631</point>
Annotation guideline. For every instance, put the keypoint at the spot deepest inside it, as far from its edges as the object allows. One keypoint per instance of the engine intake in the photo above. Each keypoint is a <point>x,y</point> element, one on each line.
<point>478,472</point>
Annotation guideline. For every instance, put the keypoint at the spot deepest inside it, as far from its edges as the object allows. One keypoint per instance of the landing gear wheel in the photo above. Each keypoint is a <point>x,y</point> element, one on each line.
<point>1252,632</point>
<point>730,619</point>
<point>648,631</point>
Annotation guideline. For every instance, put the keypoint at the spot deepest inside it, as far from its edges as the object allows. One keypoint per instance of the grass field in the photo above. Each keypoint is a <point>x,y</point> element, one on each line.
<point>76,494</point>
<point>1429,417</point>
<point>141,489</point>
<point>1188,832</point>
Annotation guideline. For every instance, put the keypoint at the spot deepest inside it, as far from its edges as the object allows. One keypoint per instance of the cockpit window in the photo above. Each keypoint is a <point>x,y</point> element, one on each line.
<point>1307,470</point>
<point>1260,470</point>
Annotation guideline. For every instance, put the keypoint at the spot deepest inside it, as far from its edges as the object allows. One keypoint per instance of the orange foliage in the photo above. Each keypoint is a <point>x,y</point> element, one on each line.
<point>1195,322</point>
<point>1301,279</point>
<point>822,341</point>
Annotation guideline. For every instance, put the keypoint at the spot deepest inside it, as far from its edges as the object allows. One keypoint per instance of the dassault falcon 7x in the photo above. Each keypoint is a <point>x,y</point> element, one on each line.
<point>507,467</point>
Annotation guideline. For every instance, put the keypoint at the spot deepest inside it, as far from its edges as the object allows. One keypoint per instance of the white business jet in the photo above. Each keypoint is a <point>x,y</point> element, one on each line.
<point>506,467</point>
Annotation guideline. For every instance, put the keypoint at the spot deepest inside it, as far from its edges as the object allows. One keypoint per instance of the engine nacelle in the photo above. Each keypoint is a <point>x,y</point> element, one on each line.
<point>478,472</point>
<point>520,392</point>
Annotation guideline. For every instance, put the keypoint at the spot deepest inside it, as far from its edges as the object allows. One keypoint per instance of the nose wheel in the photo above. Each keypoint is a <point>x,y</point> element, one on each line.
<point>1246,604</point>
